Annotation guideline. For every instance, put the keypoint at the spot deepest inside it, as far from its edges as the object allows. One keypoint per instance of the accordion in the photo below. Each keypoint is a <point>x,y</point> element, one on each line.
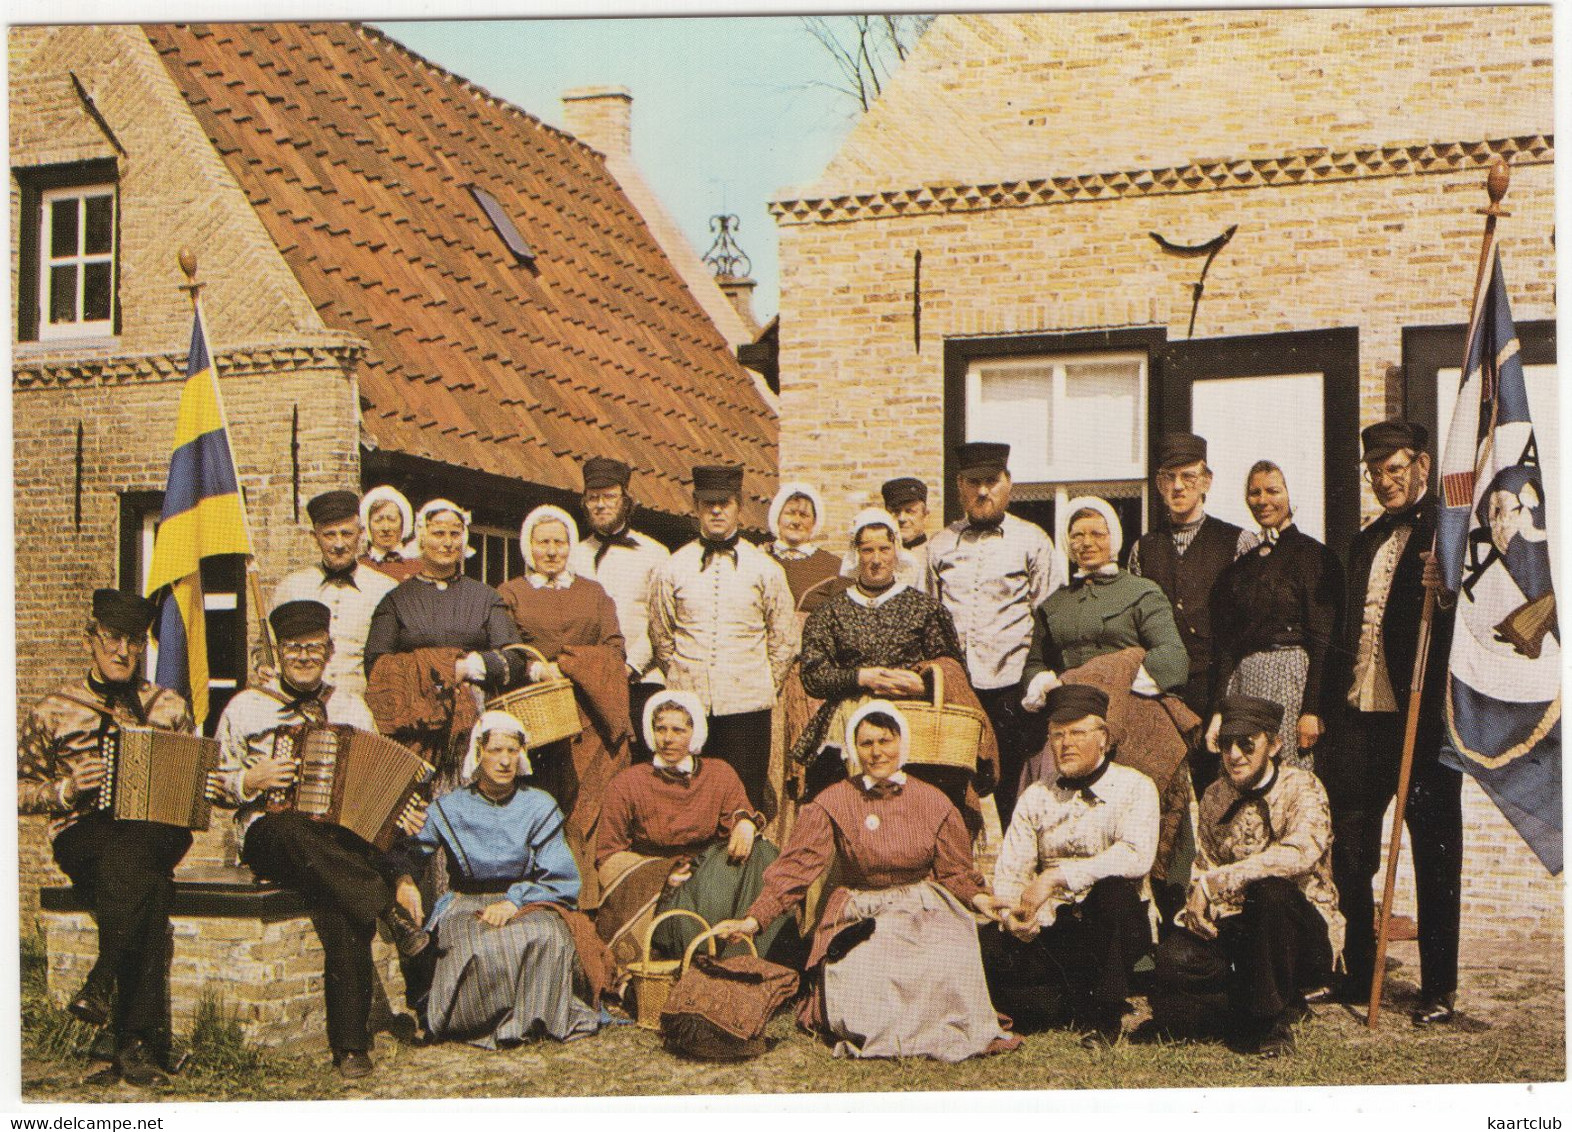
<point>357,779</point>
<point>157,776</point>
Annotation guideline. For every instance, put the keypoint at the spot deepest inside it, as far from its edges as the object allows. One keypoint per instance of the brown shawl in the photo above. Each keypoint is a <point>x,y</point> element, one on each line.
<point>577,771</point>
<point>594,958</point>
<point>415,700</point>
<point>1151,735</point>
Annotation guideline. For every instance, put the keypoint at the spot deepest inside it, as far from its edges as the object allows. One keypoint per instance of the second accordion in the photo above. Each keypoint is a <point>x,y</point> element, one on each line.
<point>357,779</point>
<point>157,776</point>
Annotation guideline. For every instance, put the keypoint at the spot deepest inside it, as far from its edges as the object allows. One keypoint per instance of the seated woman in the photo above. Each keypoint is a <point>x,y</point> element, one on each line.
<point>677,832</point>
<point>1116,631</point>
<point>871,641</point>
<point>910,884</point>
<point>389,523</point>
<point>505,945</point>
<point>1275,614</point>
<point>572,622</point>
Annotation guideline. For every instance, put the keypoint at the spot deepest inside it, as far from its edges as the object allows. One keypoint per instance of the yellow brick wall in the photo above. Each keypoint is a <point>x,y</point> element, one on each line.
<point>977,105</point>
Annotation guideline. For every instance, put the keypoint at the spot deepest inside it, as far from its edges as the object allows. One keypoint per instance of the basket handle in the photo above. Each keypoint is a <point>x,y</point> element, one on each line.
<point>649,932</point>
<point>708,936</point>
<point>937,672</point>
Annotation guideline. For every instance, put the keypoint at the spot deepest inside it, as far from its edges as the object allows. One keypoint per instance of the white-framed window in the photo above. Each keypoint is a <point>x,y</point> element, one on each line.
<point>1076,425</point>
<point>76,271</point>
<point>1067,418</point>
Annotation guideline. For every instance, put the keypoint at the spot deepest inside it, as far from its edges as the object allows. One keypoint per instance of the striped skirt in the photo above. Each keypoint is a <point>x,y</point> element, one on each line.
<point>1278,675</point>
<point>500,986</point>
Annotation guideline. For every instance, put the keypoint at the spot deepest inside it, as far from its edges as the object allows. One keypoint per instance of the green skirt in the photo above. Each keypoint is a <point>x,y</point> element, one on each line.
<point>718,890</point>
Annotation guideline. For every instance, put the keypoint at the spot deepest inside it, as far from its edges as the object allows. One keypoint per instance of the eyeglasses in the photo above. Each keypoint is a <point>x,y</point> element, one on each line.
<point>1168,479</point>
<point>1389,474</point>
<point>603,498</point>
<point>317,650</point>
<point>113,640</point>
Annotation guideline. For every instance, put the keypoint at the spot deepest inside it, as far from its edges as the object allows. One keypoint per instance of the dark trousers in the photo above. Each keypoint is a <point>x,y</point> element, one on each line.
<point>125,872</point>
<point>1080,966</point>
<point>1252,975</point>
<point>743,740</point>
<point>339,875</point>
<point>1205,765</point>
<point>1361,774</point>
<point>1020,734</point>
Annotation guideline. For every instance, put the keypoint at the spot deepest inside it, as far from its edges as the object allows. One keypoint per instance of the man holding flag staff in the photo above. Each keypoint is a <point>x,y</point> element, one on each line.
<point>1389,566</point>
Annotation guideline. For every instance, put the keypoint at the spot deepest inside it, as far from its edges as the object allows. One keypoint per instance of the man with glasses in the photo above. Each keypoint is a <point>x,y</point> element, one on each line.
<point>124,869</point>
<point>1185,559</point>
<point>622,560</point>
<point>343,878</point>
<point>1389,566</point>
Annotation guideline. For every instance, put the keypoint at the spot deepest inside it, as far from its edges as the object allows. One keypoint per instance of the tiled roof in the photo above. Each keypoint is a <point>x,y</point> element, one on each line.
<point>356,154</point>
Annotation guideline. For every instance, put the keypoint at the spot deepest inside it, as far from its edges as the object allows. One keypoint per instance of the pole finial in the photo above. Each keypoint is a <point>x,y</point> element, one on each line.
<point>1496,184</point>
<point>188,265</point>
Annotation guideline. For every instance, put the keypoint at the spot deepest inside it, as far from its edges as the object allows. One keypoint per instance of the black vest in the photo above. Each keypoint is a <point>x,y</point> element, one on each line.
<point>1188,580</point>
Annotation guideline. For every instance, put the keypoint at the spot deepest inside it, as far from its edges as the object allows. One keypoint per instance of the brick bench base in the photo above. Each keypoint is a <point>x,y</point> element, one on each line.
<point>249,947</point>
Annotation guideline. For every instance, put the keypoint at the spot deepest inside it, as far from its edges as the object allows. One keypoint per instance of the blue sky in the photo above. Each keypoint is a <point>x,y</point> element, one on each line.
<point>725,110</point>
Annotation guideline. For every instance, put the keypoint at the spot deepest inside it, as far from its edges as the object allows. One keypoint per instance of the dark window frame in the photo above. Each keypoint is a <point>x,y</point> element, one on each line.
<point>1331,352</point>
<point>33,182</point>
<point>506,230</point>
<point>220,574</point>
<point>1429,349</point>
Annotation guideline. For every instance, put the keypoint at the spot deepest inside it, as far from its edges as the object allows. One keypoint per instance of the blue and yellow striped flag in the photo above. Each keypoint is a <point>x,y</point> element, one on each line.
<point>203,515</point>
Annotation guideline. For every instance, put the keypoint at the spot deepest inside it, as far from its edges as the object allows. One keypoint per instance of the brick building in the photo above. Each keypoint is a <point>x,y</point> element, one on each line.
<point>407,281</point>
<point>978,261</point>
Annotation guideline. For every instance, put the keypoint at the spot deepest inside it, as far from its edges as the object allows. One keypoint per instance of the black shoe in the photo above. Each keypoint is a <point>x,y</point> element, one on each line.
<point>137,1066</point>
<point>1278,1042</point>
<point>92,1002</point>
<point>1434,1012</point>
<point>352,1064</point>
<point>108,1075</point>
<point>408,936</point>
<point>104,1045</point>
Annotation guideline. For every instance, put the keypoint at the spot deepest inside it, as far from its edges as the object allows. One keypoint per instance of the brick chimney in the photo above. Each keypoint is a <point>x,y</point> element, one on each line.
<point>740,291</point>
<point>601,117</point>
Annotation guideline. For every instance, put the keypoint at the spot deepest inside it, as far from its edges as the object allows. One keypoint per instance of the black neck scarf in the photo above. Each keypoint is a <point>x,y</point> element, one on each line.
<point>1083,785</point>
<point>124,692</point>
<point>620,537</point>
<point>309,704</point>
<point>716,547</point>
<point>1256,795</point>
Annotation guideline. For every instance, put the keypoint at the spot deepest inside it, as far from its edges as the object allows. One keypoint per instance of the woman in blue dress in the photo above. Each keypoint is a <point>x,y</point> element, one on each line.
<point>505,956</point>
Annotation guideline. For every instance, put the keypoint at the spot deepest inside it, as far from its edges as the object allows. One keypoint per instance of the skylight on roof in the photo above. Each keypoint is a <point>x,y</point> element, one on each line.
<point>503,223</point>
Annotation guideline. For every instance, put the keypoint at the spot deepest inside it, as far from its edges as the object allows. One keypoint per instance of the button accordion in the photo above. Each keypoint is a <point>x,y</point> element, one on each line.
<point>154,775</point>
<point>357,779</point>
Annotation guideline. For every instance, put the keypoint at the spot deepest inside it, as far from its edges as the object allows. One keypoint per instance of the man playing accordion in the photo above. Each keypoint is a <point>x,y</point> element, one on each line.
<point>123,869</point>
<point>341,875</point>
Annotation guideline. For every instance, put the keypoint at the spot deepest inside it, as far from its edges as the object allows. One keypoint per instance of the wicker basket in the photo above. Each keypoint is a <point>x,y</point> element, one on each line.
<point>943,734</point>
<point>547,710</point>
<point>651,980</point>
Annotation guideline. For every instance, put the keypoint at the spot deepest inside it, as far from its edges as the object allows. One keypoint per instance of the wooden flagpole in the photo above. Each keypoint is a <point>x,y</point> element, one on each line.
<point>193,289</point>
<point>1495,187</point>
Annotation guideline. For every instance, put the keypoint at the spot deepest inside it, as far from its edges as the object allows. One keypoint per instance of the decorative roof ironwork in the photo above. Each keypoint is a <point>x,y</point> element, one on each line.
<point>727,259</point>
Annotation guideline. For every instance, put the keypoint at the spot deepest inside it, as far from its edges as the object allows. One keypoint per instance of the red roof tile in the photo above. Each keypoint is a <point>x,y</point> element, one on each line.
<point>357,155</point>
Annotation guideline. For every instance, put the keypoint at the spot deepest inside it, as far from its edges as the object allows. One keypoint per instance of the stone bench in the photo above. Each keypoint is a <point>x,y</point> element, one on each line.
<point>246,945</point>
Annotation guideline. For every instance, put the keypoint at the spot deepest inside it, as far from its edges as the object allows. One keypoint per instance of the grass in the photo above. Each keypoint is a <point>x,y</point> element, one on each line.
<point>1512,1031</point>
